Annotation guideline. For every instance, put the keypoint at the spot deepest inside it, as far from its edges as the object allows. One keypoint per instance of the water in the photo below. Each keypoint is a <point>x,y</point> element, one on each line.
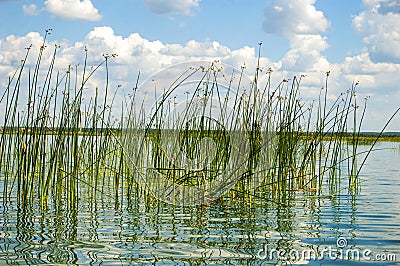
<point>227,232</point>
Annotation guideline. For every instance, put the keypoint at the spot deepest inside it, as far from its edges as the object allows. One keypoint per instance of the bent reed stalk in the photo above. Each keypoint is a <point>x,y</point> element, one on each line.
<point>57,146</point>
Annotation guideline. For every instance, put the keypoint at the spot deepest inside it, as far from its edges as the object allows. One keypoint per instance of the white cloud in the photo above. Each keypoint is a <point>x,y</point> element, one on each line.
<point>305,53</point>
<point>309,42</point>
<point>374,77</point>
<point>300,22</point>
<point>287,17</point>
<point>73,9</point>
<point>162,7</point>
<point>198,49</point>
<point>12,48</point>
<point>135,53</point>
<point>383,6</point>
<point>31,10</point>
<point>132,51</point>
<point>379,26</point>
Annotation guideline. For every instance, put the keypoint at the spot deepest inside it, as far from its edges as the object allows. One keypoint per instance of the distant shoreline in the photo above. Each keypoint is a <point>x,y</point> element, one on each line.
<point>367,136</point>
<point>372,136</point>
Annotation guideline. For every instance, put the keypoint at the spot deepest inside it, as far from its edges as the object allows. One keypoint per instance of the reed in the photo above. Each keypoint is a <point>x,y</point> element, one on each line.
<point>57,145</point>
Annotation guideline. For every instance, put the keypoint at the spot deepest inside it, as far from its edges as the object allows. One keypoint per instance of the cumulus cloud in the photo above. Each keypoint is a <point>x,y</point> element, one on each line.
<point>73,9</point>
<point>31,10</point>
<point>379,26</point>
<point>287,17</point>
<point>391,6</point>
<point>163,7</point>
<point>198,49</point>
<point>13,48</point>
<point>301,23</point>
<point>383,6</point>
<point>135,53</point>
<point>374,76</point>
<point>305,53</point>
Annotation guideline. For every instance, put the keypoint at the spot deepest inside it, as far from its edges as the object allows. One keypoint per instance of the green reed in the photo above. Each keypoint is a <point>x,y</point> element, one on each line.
<point>44,153</point>
<point>57,145</point>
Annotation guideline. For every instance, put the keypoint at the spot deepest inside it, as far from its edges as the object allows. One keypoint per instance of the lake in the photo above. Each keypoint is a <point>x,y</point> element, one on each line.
<point>297,228</point>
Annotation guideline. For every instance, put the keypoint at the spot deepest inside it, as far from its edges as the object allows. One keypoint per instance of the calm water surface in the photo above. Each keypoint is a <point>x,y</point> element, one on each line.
<point>228,232</point>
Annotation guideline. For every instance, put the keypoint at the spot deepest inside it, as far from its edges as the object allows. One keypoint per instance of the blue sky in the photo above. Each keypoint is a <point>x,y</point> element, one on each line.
<point>356,40</point>
<point>234,23</point>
